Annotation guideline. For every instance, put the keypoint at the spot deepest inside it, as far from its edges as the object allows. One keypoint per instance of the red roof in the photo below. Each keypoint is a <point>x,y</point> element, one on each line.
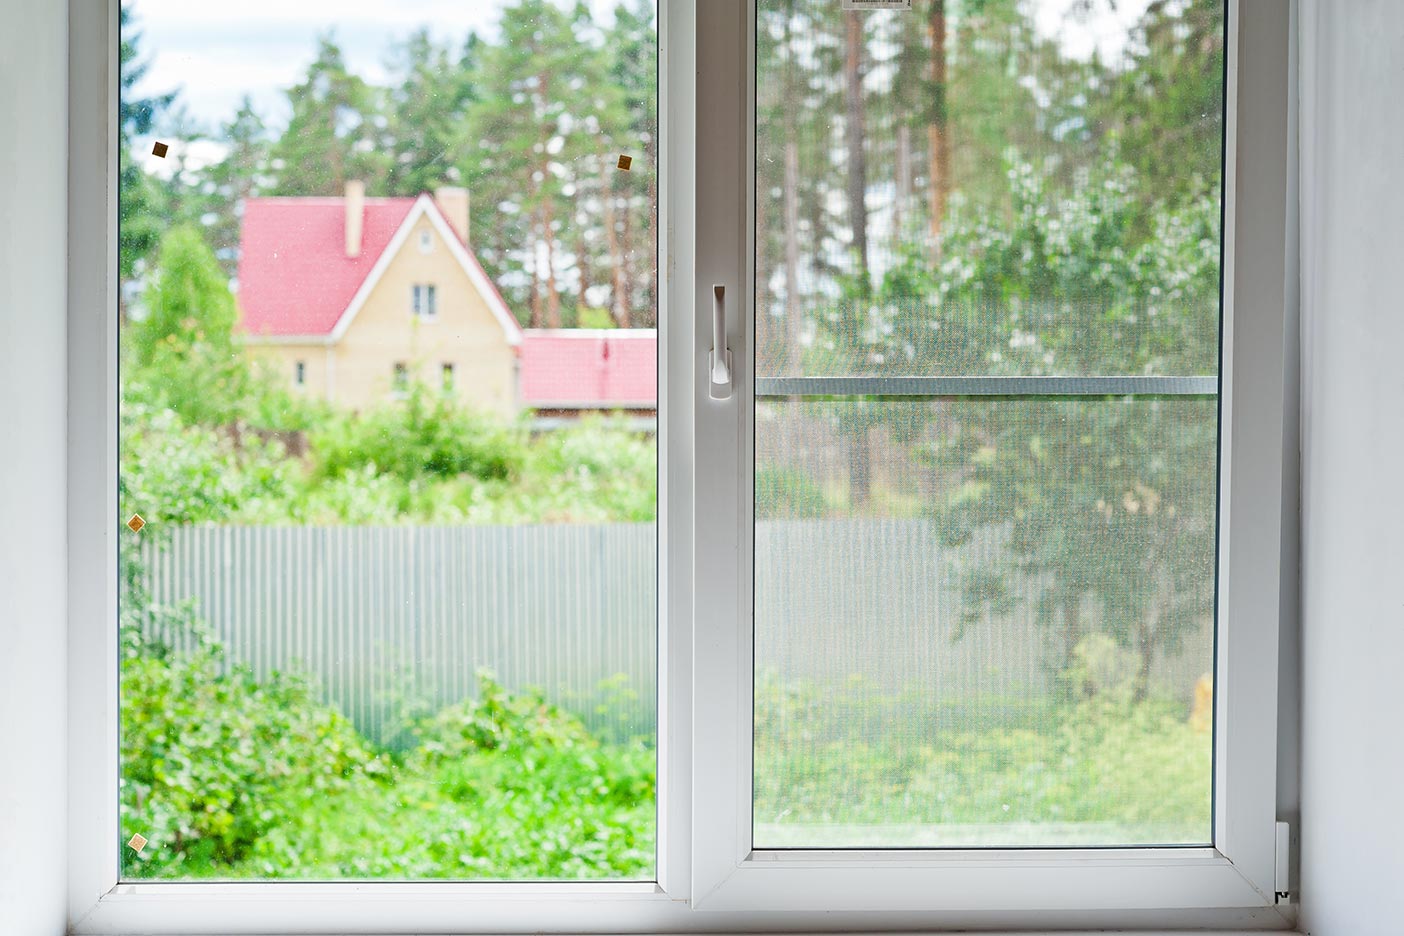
<point>294,275</point>
<point>587,368</point>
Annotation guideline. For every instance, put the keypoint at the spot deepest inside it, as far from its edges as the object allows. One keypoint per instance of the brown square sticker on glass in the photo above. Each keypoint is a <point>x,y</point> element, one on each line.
<point>625,162</point>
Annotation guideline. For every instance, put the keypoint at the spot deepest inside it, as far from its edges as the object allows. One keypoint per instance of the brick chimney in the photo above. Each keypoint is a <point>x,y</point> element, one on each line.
<point>453,202</point>
<point>355,216</point>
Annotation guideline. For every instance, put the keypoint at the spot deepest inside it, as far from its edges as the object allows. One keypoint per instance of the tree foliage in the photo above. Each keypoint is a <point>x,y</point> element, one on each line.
<point>331,137</point>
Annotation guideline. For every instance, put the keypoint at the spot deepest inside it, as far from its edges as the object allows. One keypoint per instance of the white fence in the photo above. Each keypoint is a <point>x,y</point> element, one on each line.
<point>386,618</point>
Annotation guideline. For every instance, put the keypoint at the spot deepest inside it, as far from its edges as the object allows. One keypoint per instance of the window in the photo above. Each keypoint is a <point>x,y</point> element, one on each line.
<point>865,632</point>
<point>426,242</point>
<point>350,622</point>
<point>424,302</point>
<point>942,369</point>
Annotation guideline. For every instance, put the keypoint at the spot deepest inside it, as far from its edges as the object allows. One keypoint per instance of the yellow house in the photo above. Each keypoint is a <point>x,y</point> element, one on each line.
<point>350,298</point>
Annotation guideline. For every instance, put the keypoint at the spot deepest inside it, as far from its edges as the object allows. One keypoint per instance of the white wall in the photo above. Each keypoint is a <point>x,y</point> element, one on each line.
<point>1353,467</point>
<point>33,626</point>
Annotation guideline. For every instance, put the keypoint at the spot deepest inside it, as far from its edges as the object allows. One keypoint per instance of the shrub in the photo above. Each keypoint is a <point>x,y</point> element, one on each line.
<point>229,776</point>
<point>1138,771</point>
<point>785,493</point>
<point>213,759</point>
<point>422,436</point>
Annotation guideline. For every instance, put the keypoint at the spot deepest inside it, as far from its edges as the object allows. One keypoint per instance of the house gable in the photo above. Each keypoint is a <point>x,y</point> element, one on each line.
<point>425,210</point>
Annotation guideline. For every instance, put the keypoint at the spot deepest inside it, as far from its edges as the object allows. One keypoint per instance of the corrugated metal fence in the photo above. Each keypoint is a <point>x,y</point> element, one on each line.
<point>386,618</point>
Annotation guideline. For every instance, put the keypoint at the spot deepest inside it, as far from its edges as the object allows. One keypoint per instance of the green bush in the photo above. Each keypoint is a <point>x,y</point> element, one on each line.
<point>1137,770</point>
<point>213,760</point>
<point>228,776</point>
<point>785,493</point>
<point>424,435</point>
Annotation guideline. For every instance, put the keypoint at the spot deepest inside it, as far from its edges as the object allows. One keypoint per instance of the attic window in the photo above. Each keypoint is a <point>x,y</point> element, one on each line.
<point>426,241</point>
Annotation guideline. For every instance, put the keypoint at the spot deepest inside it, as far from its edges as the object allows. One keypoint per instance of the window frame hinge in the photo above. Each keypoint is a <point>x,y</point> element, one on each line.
<point>1282,876</point>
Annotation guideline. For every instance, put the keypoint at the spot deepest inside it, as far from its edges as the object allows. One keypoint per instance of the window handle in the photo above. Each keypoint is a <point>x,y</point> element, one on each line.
<point>719,361</point>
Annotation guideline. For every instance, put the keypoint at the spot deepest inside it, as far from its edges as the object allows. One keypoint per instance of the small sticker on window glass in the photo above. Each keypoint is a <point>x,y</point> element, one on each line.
<point>875,4</point>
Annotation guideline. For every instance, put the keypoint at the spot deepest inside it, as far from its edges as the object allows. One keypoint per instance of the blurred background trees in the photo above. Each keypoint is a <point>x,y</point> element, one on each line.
<point>970,188</point>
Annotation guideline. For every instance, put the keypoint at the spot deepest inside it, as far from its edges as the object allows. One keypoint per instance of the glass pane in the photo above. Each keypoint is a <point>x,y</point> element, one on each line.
<point>1015,639</point>
<point>988,188</point>
<point>1014,645</point>
<point>388,421</point>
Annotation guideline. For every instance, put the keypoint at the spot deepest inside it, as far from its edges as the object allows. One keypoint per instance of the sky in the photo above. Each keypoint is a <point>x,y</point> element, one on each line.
<point>216,53</point>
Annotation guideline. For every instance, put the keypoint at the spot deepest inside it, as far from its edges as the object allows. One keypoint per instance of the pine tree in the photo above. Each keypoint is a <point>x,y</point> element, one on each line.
<point>543,112</point>
<point>427,97</point>
<point>139,198</point>
<point>332,135</point>
<point>184,353</point>
<point>242,174</point>
<point>632,44</point>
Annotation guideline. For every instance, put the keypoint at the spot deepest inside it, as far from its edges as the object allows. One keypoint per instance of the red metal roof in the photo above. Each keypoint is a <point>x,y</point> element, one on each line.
<point>294,275</point>
<point>587,368</point>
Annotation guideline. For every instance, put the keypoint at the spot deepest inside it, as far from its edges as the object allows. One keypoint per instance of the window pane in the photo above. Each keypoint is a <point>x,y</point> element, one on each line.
<point>1035,193</point>
<point>957,208</point>
<point>388,605</point>
<point>1014,641</point>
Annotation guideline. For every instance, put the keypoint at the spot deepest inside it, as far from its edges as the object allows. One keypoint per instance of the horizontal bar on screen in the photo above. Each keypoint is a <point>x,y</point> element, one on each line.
<point>1204,386</point>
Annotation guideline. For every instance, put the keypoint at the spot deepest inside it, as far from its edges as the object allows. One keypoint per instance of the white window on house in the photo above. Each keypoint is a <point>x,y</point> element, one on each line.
<point>300,374</point>
<point>426,241</point>
<point>447,377</point>
<point>400,377</point>
<point>424,302</point>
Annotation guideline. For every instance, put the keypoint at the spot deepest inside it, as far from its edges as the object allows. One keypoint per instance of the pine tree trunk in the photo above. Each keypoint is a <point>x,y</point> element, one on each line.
<point>1145,649</point>
<point>616,261</point>
<point>543,168</point>
<point>904,180</point>
<point>651,291</point>
<point>765,337</point>
<point>626,280</point>
<point>794,326</point>
<point>553,296</point>
<point>853,131</point>
<point>860,461</point>
<point>1072,628</point>
<point>937,138</point>
<point>535,321</point>
<point>583,264</point>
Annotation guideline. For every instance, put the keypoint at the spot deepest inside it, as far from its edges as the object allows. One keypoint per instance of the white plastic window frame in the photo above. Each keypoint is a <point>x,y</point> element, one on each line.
<point>99,902</point>
<point>1238,872</point>
<point>704,861</point>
